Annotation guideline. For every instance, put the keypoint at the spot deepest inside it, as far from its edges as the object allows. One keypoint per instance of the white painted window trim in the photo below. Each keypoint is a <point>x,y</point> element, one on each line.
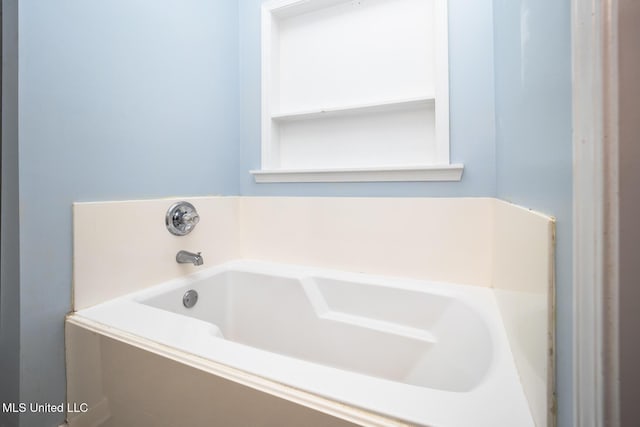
<point>404,174</point>
<point>595,281</point>
<point>442,80</point>
<point>270,172</point>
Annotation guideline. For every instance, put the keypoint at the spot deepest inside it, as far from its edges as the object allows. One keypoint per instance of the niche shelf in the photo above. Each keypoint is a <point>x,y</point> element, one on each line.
<point>345,110</point>
<point>355,90</point>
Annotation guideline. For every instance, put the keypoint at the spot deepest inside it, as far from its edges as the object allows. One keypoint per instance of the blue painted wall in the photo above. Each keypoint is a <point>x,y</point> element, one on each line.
<point>471,99</point>
<point>117,100</point>
<point>533,144</point>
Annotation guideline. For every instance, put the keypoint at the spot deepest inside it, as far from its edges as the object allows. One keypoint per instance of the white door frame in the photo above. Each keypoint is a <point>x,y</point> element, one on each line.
<point>595,242</point>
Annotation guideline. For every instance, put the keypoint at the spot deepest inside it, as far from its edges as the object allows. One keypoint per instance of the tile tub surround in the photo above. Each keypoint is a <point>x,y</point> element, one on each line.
<point>523,282</point>
<point>422,238</point>
<point>477,241</point>
<point>120,247</point>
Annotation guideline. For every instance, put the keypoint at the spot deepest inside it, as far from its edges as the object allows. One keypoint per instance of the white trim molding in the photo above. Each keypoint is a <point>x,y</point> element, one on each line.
<point>406,174</point>
<point>595,282</point>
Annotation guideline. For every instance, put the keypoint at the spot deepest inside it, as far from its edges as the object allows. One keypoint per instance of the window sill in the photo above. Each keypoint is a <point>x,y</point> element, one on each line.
<point>451,172</point>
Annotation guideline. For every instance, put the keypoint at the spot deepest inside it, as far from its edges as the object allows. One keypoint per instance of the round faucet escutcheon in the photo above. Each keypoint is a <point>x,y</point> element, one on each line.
<point>181,218</point>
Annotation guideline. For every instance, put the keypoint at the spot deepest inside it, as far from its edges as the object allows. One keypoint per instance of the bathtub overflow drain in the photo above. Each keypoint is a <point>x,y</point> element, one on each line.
<point>190,298</point>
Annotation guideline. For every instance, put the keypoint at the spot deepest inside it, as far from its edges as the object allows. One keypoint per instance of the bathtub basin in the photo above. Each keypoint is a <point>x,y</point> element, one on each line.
<point>419,352</point>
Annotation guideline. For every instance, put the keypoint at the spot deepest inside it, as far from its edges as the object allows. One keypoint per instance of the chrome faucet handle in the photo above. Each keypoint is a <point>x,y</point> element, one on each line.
<point>190,219</point>
<point>181,218</point>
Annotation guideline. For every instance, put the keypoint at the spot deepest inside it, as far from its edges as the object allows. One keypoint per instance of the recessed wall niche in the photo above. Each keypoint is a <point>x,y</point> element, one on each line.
<point>355,90</point>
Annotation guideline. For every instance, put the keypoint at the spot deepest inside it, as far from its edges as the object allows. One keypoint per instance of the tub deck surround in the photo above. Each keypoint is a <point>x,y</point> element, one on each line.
<point>406,349</point>
<point>503,251</point>
<point>117,376</point>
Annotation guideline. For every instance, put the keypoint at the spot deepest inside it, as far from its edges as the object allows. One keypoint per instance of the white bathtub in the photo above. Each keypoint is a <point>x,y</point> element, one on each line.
<point>425,353</point>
